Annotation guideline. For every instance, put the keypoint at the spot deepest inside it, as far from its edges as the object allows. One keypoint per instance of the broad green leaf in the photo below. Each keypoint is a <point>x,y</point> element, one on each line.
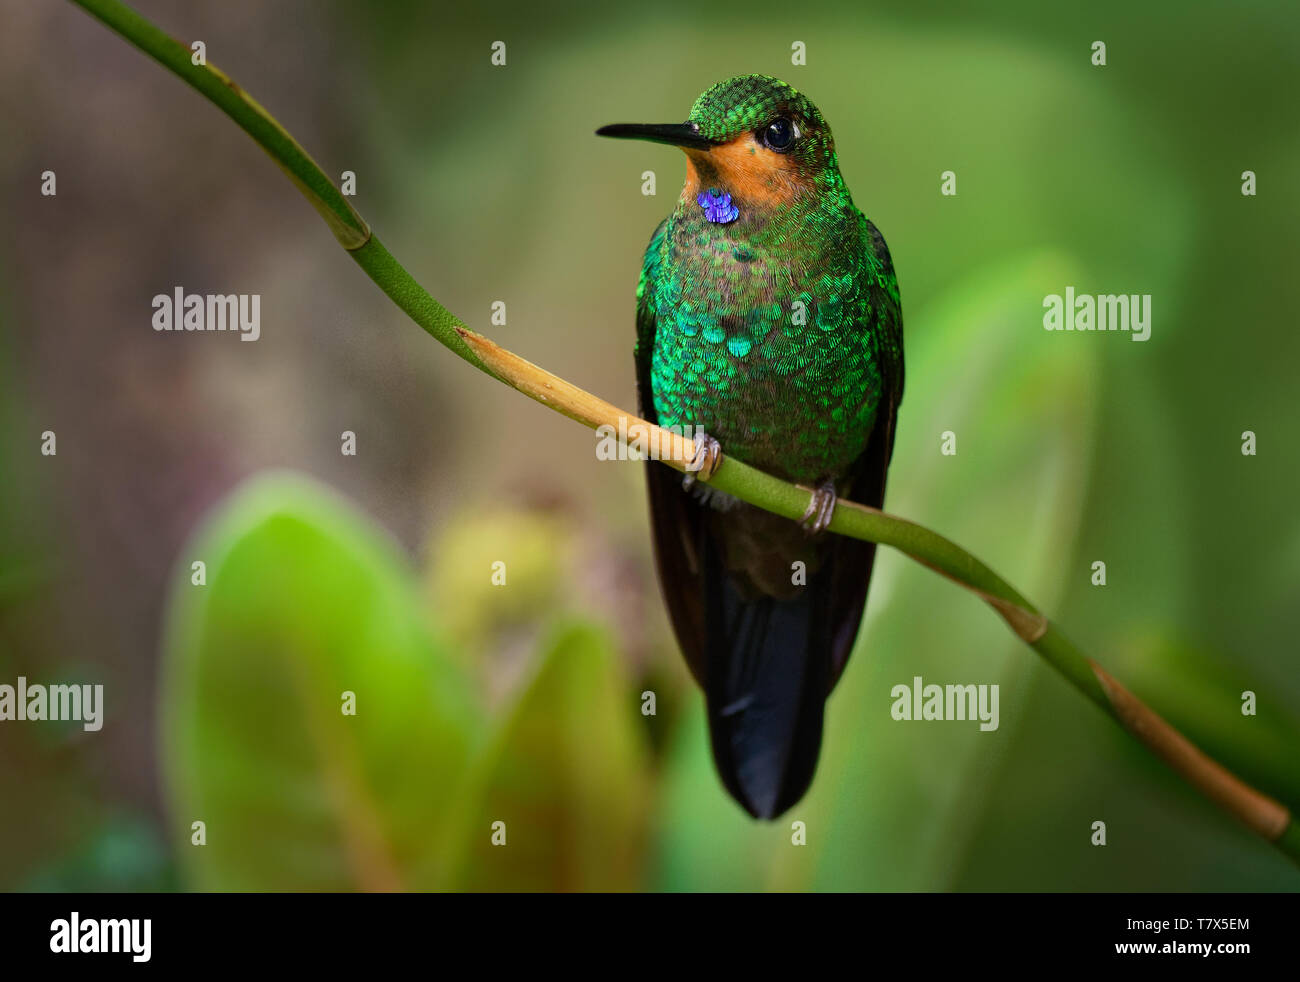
<point>567,775</point>
<point>306,600</point>
<point>1203,695</point>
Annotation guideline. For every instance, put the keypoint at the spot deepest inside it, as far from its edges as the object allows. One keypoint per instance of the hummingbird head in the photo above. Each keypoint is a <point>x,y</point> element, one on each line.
<point>752,138</point>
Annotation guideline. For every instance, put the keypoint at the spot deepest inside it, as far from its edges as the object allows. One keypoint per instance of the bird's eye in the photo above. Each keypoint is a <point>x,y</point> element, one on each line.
<point>780,134</point>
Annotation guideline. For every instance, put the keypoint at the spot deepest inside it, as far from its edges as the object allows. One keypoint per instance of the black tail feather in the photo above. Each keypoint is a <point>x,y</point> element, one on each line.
<point>768,670</point>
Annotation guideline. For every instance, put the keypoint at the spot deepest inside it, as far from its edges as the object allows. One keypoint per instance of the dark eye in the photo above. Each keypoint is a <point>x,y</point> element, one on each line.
<point>780,134</point>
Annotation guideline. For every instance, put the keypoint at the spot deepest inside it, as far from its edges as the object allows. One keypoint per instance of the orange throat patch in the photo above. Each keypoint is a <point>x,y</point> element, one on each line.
<point>755,177</point>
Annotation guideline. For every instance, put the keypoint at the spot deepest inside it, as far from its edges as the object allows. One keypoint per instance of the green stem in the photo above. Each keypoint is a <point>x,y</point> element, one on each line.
<point>394,280</point>
<point>745,482</point>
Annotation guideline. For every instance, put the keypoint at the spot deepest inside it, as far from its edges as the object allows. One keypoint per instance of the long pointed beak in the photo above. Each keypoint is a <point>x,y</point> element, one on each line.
<point>674,134</point>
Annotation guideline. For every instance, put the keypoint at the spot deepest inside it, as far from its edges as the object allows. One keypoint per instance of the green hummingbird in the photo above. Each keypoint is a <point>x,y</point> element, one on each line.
<point>769,324</point>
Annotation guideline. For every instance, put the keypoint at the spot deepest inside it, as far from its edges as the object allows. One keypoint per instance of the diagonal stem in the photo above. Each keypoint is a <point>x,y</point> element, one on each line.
<point>1259,812</point>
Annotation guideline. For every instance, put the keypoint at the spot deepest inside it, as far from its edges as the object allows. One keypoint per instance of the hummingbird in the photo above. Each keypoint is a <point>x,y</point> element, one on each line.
<point>769,324</point>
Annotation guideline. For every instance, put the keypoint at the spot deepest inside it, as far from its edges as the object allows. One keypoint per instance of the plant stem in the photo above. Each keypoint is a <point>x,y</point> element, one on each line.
<point>1261,813</point>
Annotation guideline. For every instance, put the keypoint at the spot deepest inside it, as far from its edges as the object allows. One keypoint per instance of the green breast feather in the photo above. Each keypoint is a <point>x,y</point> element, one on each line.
<point>773,340</point>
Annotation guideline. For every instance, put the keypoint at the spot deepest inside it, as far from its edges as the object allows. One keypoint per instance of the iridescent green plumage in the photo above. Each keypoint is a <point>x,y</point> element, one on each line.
<point>773,331</point>
<point>779,332</point>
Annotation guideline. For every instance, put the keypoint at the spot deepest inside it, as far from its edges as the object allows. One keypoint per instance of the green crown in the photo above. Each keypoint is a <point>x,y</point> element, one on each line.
<point>747,102</point>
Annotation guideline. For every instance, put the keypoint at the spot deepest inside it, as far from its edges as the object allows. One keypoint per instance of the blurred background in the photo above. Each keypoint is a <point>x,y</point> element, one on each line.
<point>522,703</point>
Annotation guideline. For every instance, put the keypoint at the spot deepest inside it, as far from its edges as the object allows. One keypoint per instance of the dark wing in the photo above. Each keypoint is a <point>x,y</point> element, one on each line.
<point>852,559</point>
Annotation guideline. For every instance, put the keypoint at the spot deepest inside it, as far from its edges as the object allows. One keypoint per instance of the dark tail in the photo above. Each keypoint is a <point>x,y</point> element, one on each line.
<point>768,672</point>
<point>766,653</point>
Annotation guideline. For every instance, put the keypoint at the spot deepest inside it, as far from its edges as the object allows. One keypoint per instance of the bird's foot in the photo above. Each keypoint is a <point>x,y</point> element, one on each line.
<point>704,462</point>
<point>820,508</point>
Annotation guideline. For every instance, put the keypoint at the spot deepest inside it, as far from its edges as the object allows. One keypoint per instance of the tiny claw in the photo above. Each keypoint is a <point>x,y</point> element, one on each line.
<point>821,507</point>
<point>704,462</point>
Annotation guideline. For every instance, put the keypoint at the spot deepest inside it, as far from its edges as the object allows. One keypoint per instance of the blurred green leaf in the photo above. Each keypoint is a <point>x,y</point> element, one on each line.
<point>124,854</point>
<point>567,773</point>
<point>306,600</point>
<point>1200,693</point>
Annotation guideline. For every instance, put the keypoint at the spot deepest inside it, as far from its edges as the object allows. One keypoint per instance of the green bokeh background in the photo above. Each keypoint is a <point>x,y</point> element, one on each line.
<point>523,703</point>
